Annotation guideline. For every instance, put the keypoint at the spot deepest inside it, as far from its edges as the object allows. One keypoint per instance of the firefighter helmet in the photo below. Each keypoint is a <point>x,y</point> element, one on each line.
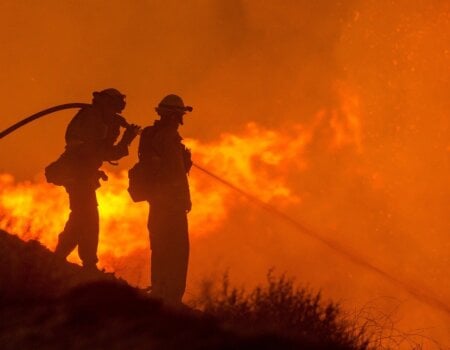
<point>172,103</point>
<point>114,96</point>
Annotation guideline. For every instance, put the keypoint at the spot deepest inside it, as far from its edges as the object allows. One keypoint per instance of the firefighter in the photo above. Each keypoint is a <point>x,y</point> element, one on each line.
<point>90,140</point>
<point>168,163</point>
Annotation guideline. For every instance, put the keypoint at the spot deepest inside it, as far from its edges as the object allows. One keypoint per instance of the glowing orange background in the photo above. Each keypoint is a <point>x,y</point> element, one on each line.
<point>337,114</point>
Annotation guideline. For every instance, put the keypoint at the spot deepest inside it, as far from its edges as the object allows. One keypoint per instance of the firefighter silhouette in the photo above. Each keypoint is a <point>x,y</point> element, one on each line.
<point>90,140</point>
<point>166,163</point>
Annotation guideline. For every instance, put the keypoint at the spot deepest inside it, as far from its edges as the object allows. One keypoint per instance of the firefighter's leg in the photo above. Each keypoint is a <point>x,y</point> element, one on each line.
<point>158,272</point>
<point>83,201</point>
<point>88,240</point>
<point>68,239</point>
<point>177,256</point>
<point>170,253</point>
<point>158,250</point>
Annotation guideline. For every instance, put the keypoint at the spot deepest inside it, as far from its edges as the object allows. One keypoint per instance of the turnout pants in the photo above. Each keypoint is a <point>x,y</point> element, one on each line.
<point>82,227</point>
<point>169,242</point>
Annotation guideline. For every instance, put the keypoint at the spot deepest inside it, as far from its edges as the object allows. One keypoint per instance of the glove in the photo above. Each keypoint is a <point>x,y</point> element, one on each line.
<point>102,175</point>
<point>130,133</point>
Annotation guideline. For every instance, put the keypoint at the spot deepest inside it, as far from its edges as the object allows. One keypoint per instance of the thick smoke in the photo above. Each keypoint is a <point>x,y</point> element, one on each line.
<point>365,83</point>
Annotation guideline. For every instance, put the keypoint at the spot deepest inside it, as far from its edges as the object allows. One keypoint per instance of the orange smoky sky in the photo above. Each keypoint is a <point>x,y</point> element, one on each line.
<point>336,112</point>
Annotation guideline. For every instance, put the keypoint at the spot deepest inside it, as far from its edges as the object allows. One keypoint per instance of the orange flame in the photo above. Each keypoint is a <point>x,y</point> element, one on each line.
<point>37,210</point>
<point>258,160</point>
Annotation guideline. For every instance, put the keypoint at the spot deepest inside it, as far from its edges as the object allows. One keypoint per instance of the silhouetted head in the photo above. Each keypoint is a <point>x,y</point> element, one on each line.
<point>110,100</point>
<point>172,108</point>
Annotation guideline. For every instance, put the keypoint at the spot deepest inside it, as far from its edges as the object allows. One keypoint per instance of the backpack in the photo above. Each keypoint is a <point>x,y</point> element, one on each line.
<point>137,183</point>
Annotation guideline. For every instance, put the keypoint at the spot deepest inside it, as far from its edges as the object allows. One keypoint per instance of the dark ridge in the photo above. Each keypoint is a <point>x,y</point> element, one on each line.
<point>47,303</point>
<point>28,270</point>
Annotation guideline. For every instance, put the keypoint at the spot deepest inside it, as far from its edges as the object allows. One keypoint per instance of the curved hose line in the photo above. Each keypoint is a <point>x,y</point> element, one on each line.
<point>40,114</point>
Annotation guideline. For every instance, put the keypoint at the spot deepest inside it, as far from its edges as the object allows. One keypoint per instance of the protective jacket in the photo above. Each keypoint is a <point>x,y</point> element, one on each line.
<point>90,140</point>
<point>167,162</point>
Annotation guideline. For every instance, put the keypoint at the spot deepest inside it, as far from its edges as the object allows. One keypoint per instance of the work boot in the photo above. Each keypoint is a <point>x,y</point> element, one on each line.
<point>92,267</point>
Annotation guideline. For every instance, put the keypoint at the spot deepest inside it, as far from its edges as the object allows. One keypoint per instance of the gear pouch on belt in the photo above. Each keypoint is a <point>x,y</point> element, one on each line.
<point>61,171</point>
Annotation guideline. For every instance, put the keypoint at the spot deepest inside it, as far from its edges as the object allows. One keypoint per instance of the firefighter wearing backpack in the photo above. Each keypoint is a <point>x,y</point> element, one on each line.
<point>90,140</point>
<point>167,162</point>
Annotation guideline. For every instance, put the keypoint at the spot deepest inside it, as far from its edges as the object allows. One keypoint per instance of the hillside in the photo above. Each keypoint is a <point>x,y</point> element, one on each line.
<point>46,303</point>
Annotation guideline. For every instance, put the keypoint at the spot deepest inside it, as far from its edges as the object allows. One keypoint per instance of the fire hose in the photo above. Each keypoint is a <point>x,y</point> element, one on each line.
<point>45,112</point>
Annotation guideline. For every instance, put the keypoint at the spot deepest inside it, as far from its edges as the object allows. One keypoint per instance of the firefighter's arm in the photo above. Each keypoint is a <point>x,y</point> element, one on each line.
<point>119,150</point>
<point>129,135</point>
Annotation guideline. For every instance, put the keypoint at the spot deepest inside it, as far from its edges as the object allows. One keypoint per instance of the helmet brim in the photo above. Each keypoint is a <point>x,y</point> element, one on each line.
<point>167,108</point>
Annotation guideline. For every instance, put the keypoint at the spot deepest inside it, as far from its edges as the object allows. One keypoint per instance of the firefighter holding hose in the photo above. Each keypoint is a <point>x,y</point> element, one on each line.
<point>90,140</point>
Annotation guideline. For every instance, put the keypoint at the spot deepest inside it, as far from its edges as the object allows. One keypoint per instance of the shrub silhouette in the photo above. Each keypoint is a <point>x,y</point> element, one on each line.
<point>279,307</point>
